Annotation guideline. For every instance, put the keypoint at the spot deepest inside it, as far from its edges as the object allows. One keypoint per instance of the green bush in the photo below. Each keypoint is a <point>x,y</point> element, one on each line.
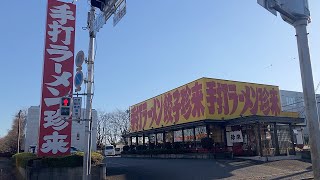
<point>73,160</point>
<point>21,159</point>
<point>96,158</point>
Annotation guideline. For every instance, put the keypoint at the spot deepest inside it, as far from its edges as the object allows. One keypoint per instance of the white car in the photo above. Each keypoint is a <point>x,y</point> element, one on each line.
<point>109,150</point>
<point>119,149</point>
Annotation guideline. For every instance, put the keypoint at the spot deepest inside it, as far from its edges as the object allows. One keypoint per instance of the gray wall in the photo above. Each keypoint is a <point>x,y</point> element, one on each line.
<point>293,101</point>
<point>32,129</point>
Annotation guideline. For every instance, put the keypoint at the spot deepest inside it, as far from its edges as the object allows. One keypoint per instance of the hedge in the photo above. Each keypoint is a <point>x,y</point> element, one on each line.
<point>21,159</point>
<point>73,160</point>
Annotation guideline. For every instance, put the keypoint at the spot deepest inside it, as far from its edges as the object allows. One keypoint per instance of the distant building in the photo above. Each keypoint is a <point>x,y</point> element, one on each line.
<point>292,101</point>
<point>77,136</point>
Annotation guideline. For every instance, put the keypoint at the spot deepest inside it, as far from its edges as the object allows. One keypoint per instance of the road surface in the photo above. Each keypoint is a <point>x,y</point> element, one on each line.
<point>153,169</point>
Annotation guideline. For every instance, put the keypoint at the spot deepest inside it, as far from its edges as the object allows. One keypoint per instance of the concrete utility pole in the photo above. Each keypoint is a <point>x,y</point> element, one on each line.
<point>309,94</point>
<point>18,148</point>
<point>297,14</point>
<point>88,122</point>
<point>107,7</point>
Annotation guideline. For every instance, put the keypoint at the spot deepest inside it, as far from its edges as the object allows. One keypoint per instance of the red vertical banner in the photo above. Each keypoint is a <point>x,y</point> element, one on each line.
<point>55,132</point>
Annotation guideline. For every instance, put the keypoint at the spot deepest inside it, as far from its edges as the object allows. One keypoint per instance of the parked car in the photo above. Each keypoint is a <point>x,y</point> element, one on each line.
<point>118,149</point>
<point>109,150</point>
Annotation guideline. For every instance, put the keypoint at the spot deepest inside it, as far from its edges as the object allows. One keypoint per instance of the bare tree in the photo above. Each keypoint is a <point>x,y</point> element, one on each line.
<point>100,131</point>
<point>9,143</point>
<point>112,126</point>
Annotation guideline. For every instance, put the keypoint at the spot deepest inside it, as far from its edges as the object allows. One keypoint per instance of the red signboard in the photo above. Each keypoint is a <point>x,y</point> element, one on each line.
<point>55,133</point>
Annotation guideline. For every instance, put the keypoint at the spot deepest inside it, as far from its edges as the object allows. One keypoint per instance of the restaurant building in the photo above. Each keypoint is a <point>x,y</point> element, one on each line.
<point>243,118</point>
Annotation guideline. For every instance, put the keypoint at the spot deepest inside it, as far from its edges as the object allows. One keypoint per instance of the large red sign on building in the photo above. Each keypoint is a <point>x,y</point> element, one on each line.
<point>54,132</point>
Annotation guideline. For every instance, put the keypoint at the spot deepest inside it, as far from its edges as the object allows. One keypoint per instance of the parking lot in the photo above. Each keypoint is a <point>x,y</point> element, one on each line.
<point>133,168</point>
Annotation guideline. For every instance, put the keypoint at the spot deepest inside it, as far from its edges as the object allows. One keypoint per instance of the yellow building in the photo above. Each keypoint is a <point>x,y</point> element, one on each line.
<point>244,118</point>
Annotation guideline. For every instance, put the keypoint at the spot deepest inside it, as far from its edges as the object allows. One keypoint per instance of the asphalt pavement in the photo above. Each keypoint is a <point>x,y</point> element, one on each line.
<point>119,168</point>
<point>7,170</point>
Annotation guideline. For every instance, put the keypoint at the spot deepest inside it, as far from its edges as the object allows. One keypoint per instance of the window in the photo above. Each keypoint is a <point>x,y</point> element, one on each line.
<point>109,147</point>
<point>152,138</point>
<point>188,135</point>
<point>160,138</point>
<point>290,101</point>
<point>140,140</point>
<point>178,136</point>
<point>169,137</point>
<point>217,134</point>
<point>201,132</point>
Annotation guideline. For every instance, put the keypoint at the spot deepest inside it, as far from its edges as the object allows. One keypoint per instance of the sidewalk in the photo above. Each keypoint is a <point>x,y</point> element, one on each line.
<point>276,170</point>
<point>270,158</point>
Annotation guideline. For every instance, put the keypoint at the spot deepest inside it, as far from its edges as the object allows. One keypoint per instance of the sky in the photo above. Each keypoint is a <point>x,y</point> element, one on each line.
<point>156,47</point>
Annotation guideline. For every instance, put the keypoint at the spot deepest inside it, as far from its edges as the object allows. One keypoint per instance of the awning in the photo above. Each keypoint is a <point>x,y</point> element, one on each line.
<point>231,122</point>
<point>264,119</point>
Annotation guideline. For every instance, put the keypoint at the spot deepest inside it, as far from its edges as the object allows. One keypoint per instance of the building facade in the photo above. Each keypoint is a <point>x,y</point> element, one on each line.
<point>244,118</point>
<point>292,101</point>
<point>77,134</point>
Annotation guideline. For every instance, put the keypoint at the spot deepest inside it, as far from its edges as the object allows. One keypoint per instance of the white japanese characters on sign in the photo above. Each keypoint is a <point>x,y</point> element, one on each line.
<point>77,101</point>
<point>55,133</point>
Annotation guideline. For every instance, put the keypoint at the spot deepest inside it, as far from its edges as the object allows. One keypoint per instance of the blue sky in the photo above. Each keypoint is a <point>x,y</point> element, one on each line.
<point>156,47</point>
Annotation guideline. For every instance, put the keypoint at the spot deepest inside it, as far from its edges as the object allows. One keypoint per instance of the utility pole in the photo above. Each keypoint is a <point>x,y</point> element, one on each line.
<point>88,124</point>
<point>309,94</point>
<point>297,14</point>
<point>108,8</point>
<point>18,148</point>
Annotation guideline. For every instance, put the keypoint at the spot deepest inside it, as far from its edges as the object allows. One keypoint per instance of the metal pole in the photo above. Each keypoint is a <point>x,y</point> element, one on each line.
<point>88,127</point>
<point>90,142</point>
<point>18,148</point>
<point>309,94</point>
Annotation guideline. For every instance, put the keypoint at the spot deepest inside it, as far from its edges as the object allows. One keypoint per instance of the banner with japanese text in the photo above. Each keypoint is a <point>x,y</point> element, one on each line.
<point>230,99</point>
<point>205,98</point>
<point>54,132</point>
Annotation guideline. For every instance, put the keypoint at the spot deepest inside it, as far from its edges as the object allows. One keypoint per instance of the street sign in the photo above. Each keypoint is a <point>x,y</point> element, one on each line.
<point>79,58</point>
<point>298,8</point>
<point>119,14</point>
<point>292,10</point>
<point>99,22</point>
<point>109,6</point>
<point>268,4</point>
<point>77,101</point>
<point>78,80</point>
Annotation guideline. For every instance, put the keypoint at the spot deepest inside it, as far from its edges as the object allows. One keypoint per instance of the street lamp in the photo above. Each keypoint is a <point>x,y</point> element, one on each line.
<point>297,14</point>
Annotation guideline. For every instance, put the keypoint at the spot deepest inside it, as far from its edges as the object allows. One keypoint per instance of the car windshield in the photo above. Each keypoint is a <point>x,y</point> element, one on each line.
<point>109,147</point>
